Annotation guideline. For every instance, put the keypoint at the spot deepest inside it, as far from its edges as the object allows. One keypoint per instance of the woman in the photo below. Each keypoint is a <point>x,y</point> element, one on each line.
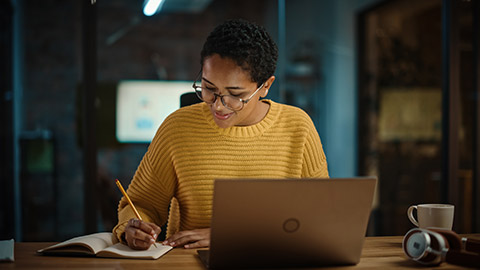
<point>233,133</point>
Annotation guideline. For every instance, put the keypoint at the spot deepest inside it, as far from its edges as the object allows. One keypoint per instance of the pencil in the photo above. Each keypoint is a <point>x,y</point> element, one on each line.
<point>129,201</point>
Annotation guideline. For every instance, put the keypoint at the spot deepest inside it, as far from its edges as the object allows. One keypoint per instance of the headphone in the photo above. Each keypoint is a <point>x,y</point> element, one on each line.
<point>433,246</point>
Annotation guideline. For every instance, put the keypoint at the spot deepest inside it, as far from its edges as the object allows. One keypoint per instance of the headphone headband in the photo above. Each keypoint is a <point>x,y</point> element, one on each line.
<point>434,246</point>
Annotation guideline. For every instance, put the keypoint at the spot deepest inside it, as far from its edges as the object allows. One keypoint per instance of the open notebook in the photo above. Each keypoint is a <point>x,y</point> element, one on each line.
<point>102,244</point>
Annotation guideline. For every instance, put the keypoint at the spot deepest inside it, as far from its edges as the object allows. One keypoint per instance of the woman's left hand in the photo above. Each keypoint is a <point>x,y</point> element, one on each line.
<point>190,239</point>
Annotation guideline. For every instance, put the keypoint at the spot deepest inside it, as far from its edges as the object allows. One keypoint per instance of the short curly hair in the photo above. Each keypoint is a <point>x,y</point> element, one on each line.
<point>246,43</point>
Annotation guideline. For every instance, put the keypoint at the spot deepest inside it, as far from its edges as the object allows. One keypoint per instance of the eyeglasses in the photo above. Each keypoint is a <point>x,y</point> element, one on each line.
<point>231,102</point>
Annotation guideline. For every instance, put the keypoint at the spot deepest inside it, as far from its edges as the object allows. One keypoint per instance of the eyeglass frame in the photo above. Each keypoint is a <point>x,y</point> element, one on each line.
<point>244,101</point>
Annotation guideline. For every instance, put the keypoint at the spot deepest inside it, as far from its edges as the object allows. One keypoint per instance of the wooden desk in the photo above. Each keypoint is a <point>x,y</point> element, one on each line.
<point>378,253</point>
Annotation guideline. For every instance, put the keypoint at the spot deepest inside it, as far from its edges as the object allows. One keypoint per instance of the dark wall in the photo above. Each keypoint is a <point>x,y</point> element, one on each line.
<point>52,69</point>
<point>6,130</point>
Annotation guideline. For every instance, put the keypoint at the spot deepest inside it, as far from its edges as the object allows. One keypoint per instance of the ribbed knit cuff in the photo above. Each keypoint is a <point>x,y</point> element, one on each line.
<point>119,232</point>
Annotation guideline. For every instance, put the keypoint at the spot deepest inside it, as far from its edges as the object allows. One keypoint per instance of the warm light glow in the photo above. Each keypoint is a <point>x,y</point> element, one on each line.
<point>151,7</point>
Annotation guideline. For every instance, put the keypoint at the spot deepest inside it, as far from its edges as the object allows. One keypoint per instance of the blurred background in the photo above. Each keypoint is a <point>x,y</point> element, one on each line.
<point>392,87</point>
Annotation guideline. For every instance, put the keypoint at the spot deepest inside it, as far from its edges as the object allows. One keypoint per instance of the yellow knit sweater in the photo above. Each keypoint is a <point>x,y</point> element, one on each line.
<point>189,151</point>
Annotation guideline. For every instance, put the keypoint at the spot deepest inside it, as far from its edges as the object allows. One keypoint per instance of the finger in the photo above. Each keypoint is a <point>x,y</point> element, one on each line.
<point>150,228</point>
<point>134,230</point>
<point>198,244</point>
<point>156,229</point>
<point>183,237</point>
<point>137,238</point>
<point>186,238</point>
<point>173,239</point>
<point>139,244</point>
<point>145,237</point>
<point>147,227</point>
<point>133,222</point>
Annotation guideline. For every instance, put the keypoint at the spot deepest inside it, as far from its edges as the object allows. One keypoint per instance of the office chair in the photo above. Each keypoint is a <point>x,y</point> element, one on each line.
<point>189,98</point>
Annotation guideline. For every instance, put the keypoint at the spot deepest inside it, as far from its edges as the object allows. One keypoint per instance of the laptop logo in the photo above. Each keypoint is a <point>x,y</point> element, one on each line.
<point>291,225</point>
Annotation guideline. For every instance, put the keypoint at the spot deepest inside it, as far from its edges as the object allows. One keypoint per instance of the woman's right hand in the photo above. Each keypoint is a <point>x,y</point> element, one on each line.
<point>140,234</point>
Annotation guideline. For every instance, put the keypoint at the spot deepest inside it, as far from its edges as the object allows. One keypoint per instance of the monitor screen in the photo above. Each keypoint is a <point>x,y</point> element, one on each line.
<point>143,105</point>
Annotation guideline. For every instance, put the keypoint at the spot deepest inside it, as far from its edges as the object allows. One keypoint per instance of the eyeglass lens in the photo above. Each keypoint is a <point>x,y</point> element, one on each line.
<point>228,101</point>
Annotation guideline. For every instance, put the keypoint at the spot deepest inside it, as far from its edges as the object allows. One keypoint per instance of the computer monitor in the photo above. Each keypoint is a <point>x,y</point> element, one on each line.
<point>143,105</point>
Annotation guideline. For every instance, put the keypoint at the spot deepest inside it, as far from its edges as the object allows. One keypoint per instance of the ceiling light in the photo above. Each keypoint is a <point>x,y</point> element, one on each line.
<point>152,6</point>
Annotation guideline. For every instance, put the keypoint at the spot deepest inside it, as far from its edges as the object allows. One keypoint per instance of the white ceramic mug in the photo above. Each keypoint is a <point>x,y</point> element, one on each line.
<point>432,215</point>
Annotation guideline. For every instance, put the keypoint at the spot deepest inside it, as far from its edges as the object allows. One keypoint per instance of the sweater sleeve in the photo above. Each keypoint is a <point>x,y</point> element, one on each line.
<point>152,186</point>
<point>314,160</point>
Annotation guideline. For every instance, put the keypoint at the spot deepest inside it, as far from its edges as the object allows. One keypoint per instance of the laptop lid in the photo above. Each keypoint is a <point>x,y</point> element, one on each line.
<point>289,222</point>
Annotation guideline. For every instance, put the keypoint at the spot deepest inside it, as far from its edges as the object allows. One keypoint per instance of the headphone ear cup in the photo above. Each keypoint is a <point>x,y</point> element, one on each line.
<point>424,246</point>
<point>414,249</point>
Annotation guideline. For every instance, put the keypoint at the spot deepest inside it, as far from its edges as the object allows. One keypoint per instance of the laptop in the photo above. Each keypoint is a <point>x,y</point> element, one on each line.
<point>267,223</point>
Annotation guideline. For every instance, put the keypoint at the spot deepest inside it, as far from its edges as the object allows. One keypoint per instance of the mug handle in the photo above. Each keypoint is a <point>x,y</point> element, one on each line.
<point>410,214</point>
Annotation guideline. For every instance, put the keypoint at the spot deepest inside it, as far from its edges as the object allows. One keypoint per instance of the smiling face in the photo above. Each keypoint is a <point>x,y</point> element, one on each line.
<point>224,77</point>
